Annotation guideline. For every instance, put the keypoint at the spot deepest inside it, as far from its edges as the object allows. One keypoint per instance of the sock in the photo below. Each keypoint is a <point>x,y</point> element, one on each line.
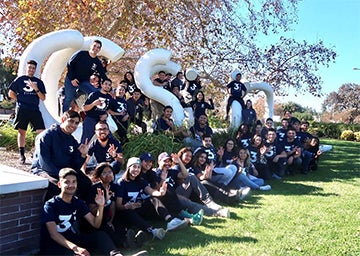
<point>22,151</point>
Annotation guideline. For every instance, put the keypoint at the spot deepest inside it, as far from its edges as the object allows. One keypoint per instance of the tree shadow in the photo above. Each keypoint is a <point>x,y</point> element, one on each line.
<point>194,238</point>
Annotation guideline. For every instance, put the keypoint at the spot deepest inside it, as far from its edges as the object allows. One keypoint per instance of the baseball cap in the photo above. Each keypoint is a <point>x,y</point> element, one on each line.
<point>147,156</point>
<point>133,160</point>
<point>163,156</point>
<point>67,171</point>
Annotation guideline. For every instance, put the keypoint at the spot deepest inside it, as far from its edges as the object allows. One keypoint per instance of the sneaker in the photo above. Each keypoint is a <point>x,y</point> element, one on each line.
<point>159,233</point>
<point>140,238</point>
<point>266,187</point>
<point>244,192</point>
<point>130,241</point>
<point>276,177</point>
<point>214,206</point>
<point>224,212</point>
<point>115,253</point>
<point>197,218</point>
<point>176,223</point>
<point>141,253</point>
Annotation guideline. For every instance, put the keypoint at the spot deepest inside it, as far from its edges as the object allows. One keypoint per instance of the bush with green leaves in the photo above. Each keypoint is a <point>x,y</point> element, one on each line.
<point>347,135</point>
<point>8,138</point>
<point>357,136</point>
<point>153,143</point>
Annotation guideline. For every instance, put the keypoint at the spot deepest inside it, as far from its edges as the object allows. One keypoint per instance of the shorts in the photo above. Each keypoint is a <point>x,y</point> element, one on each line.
<point>24,117</point>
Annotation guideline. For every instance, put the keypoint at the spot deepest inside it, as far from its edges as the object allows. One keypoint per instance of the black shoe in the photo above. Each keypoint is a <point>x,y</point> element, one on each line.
<point>130,239</point>
<point>140,238</point>
<point>22,159</point>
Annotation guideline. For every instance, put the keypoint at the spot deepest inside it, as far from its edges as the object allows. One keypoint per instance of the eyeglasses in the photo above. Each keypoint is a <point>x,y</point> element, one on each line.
<point>102,129</point>
<point>106,173</point>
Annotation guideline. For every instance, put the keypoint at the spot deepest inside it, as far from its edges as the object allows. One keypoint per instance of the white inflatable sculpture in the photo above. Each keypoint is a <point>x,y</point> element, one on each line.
<point>236,109</point>
<point>58,47</point>
<point>150,63</point>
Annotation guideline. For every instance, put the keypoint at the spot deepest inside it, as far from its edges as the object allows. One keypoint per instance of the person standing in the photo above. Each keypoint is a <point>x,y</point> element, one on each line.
<point>27,90</point>
<point>80,68</point>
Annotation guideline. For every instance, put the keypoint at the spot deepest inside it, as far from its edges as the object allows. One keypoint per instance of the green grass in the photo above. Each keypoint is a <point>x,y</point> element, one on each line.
<point>316,214</point>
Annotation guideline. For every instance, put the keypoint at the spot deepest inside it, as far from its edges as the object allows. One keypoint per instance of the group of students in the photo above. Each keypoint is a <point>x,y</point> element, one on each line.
<point>121,206</point>
<point>84,178</point>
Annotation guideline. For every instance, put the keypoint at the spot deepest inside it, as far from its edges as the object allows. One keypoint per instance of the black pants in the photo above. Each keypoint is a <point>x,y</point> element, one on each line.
<point>230,101</point>
<point>94,242</point>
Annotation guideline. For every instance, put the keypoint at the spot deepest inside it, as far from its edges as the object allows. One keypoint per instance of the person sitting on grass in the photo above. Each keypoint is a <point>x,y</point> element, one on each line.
<point>203,170</point>
<point>191,188</point>
<point>247,173</point>
<point>60,216</point>
<point>114,227</point>
<point>166,174</point>
<point>136,200</point>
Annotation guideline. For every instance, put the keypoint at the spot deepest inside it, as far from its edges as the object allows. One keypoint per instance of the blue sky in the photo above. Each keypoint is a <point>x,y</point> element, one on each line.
<point>337,23</point>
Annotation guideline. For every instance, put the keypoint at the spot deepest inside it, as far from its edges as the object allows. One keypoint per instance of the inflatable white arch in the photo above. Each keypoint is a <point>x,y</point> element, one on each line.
<point>236,115</point>
<point>150,63</point>
<point>59,46</point>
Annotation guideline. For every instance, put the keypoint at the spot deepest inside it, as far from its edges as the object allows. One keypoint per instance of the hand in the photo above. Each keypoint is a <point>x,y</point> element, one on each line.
<point>75,82</point>
<point>33,85</point>
<point>80,251</point>
<point>99,198</point>
<point>112,151</point>
<point>84,148</point>
<point>175,157</point>
<point>263,150</point>
<point>163,189</point>
<point>110,225</point>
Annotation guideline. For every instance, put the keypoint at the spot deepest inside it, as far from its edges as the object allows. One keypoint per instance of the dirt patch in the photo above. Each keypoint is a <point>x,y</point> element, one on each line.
<point>11,158</point>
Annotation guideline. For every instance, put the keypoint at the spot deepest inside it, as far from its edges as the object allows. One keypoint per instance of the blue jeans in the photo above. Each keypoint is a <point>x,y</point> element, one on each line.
<point>70,91</point>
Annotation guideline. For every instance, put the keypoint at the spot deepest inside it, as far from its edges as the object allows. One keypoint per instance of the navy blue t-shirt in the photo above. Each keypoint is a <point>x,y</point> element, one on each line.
<point>65,215</point>
<point>171,177</point>
<point>27,98</point>
<point>107,103</point>
<point>121,106</point>
<point>274,149</point>
<point>101,153</point>
<point>289,146</point>
<point>236,88</point>
<point>132,191</point>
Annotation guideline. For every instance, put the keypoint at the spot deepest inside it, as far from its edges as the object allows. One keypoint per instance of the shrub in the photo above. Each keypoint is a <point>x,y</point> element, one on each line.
<point>153,143</point>
<point>357,136</point>
<point>9,137</point>
<point>347,135</point>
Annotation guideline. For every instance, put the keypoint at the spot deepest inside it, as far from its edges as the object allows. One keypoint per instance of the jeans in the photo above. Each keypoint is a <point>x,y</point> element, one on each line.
<point>70,91</point>
<point>224,175</point>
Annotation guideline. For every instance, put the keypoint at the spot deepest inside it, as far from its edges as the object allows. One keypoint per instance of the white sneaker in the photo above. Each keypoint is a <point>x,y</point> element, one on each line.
<point>214,206</point>
<point>224,212</point>
<point>266,187</point>
<point>176,223</point>
<point>158,233</point>
<point>244,192</point>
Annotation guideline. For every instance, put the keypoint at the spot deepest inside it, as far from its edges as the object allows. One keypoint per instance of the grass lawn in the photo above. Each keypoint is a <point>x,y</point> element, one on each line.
<point>314,214</point>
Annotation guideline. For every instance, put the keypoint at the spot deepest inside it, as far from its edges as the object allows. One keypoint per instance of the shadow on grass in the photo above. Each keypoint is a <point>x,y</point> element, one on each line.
<point>194,238</point>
